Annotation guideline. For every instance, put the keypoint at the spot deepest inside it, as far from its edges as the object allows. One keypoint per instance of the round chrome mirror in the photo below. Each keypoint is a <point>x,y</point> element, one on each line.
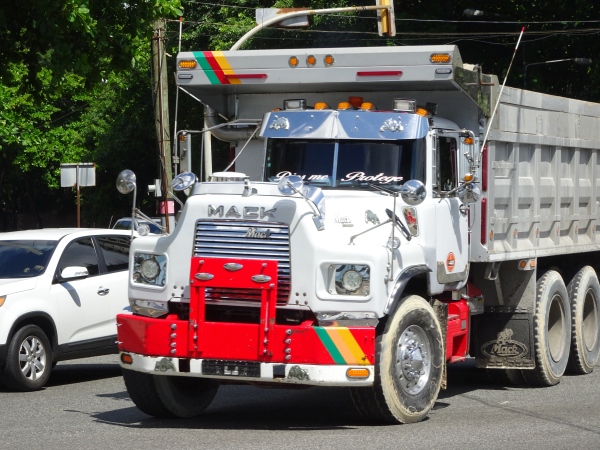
<point>126,181</point>
<point>413,192</point>
<point>469,193</point>
<point>183,181</point>
<point>284,184</point>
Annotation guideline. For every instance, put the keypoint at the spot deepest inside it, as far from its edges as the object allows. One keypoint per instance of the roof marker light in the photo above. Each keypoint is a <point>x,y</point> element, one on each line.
<point>293,61</point>
<point>355,101</point>
<point>342,106</point>
<point>367,106</point>
<point>311,60</point>
<point>321,105</point>
<point>328,60</point>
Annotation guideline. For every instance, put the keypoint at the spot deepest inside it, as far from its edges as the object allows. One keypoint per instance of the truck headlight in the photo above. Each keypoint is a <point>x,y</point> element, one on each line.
<point>351,279</point>
<point>149,269</point>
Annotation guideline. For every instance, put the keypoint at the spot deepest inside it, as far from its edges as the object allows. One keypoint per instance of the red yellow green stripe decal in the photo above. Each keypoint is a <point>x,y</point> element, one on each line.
<point>216,67</point>
<point>342,346</point>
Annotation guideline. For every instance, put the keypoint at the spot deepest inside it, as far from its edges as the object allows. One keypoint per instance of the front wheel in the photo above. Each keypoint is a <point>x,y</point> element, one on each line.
<point>28,361</point>
<point>409,366</point>
<point>169,396</point>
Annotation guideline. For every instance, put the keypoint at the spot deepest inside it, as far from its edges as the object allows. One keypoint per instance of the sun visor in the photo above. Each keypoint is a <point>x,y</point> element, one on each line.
<point>369,125</point>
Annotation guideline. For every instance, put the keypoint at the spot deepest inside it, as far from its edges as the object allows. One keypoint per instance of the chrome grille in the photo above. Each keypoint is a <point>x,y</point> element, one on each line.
<point>225,238</point>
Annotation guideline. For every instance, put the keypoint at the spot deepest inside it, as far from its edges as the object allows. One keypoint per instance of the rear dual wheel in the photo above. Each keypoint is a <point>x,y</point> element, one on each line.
<point>551,331</point>
<point>584,292</point>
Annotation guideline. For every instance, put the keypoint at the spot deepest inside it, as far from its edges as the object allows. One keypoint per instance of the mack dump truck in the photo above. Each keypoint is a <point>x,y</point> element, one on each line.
<point>368,234</point>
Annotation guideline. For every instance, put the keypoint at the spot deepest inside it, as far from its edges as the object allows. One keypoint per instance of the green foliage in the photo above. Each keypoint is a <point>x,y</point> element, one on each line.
<point>86,37</point>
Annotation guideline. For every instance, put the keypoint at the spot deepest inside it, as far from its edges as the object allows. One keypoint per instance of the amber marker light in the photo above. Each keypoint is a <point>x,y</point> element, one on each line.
<point>440,58</point>
<point>421,112</point>
<point>367,106</point>
<point>358,373</point>
<point>321,105</point>
<point>342,106</point>
<point>187,64</point>
<point>311,60</point>
<point>468,177</point>
<point>126,358</point>
<point>328,60</point>
<point>469,141</point>
<point>293,61</point>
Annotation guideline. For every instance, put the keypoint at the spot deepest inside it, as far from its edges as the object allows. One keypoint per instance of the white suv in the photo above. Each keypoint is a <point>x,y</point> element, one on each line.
<point>60,292</point>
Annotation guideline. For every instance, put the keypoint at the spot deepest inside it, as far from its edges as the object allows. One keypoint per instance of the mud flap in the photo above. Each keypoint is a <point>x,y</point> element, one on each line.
<point>503,340</point>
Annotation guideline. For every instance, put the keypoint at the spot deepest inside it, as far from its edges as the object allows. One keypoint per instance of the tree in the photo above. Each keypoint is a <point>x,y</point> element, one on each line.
<point>88,38</point>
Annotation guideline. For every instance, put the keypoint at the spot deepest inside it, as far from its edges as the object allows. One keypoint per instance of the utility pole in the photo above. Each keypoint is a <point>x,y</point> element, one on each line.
<point>161,112</point>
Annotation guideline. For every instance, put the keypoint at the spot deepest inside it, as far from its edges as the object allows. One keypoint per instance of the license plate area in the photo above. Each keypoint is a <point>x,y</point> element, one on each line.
<point>231,368</point>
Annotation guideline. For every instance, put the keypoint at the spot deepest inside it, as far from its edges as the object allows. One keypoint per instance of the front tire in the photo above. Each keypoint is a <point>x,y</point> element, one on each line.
<point>551,331</point>
<point>409,366</point>
<point>28,361</point>
<point>584,292</point>
<point>169,396</point>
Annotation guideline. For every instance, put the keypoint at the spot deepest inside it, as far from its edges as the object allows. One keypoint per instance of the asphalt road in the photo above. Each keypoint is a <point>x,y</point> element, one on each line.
<point>86,406</point>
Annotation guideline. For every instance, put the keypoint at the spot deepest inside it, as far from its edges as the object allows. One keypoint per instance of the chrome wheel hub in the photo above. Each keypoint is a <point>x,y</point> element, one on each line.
<point>413,360</point>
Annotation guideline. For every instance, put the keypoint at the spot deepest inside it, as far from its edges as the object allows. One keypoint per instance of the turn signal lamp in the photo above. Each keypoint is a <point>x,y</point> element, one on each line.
<point>321,105</point>
<point>187,64</point>
<point>468,177</point>
<point>293,61</point>
<point>403,105</point>
<point>367,106</point>
<point>440,58</point>
<point>328,60</point>
<point>422,112</point>
<point>311,60</point>
<point>2,299</point>
<point>469,140</point>
<point>358,373</point>
<point>126,358</point>
<point>343,106</point>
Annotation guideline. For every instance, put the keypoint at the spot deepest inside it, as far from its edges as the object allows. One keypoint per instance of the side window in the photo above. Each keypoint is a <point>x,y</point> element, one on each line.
<point>115,250</point>
<point>447,163</point>
<point>80,253</point>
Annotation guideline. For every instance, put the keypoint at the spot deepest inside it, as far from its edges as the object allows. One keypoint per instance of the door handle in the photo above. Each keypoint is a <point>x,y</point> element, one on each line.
<point>103,291</point>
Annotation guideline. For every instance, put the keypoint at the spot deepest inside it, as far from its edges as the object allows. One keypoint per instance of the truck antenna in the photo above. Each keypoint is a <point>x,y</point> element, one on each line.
<point>489,126</point>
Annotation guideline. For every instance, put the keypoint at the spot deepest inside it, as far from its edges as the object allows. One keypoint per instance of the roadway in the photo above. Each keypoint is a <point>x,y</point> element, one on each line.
<point>85,406</point>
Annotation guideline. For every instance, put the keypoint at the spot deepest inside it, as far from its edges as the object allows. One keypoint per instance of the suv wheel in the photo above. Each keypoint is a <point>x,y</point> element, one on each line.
<point>29,360</point>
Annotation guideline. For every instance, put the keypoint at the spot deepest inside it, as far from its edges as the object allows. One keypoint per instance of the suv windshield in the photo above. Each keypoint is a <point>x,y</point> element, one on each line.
<point>346,162</point>
<point>24,259</point>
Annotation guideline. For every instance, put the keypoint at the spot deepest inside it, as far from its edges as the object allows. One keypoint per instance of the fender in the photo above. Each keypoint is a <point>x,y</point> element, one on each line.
<point>403,278</point>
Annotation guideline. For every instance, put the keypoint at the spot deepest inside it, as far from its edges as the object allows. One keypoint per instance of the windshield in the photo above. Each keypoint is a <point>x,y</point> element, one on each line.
<point>24,259</point>
<point>346,163</point>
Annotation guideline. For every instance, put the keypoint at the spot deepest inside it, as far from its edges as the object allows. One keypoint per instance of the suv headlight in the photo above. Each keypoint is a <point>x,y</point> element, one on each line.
<point>149,269</point>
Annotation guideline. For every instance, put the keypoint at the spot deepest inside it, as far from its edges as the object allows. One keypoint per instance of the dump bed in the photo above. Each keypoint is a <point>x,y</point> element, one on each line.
<point>541,179</point>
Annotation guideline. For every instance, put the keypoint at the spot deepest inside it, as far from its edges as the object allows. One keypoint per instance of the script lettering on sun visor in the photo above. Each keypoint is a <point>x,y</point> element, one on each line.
<point>352,176</point>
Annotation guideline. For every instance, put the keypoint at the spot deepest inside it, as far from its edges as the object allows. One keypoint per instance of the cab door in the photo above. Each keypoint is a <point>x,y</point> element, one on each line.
<point>452,240</point>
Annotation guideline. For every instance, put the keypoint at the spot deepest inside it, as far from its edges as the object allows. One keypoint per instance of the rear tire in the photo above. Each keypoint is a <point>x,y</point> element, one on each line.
<point>408,367</point>
<point>551,331</point>
<point>28,360</point>
<point>169,396</point>
<point>584,292</point>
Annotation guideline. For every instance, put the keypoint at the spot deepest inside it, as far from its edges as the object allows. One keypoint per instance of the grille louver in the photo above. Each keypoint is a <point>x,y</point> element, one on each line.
<point>222,239</point>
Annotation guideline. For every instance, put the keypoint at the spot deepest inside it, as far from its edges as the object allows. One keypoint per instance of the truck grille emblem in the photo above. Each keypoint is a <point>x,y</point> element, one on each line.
<point>254,233</point>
